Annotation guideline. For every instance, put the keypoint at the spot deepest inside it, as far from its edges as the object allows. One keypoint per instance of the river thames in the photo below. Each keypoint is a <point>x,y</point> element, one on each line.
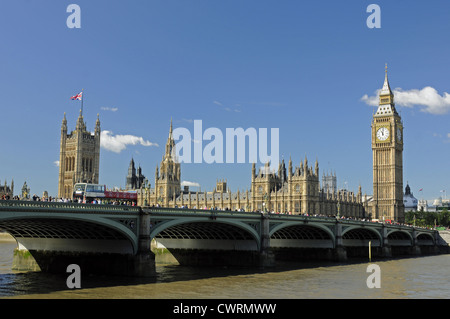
<point>421,277</point>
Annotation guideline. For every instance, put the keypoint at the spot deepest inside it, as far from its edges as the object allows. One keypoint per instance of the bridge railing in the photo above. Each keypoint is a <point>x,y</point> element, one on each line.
<point>38,206</point>
<point>167,210</point>
<point>306,218</point>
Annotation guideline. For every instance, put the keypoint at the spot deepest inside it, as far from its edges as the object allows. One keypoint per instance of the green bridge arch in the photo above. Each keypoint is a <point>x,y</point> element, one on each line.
<point>48,225</point>
<point>294,229</point>
<point>166,225</point>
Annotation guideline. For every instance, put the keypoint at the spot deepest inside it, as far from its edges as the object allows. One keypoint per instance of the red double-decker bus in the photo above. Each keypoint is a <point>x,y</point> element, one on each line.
<point>88,193</point>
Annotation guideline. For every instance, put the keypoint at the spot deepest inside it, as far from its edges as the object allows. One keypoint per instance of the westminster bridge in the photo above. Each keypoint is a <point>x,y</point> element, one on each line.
<point>117,239</point>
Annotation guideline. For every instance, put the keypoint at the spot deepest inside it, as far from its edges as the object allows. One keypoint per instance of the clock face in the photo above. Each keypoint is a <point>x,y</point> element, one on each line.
<point>382,134</point>
<point>399,134</point>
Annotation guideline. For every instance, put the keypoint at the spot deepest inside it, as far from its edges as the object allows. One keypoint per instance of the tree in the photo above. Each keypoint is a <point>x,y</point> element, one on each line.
<point>444,217</point>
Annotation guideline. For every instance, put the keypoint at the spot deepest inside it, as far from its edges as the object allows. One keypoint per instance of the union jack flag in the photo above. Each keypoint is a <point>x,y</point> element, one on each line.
<point>77,97</point>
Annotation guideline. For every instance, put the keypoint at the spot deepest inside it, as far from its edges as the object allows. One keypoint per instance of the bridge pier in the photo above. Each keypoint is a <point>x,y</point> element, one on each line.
<point>415,250</point>
<point>386,251</point>
<point>143,264</point>
<point>266,256</point>
<point>340,253</point>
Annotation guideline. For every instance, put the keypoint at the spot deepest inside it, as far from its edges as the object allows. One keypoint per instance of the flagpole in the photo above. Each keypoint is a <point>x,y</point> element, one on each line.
<point>82,99</point>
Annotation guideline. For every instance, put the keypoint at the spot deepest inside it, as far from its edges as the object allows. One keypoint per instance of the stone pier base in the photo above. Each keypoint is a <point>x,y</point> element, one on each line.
<point>386,252</point>
<point>415,251</point>
<point>24,261</point>
<point>140,265</point>
<point>340,254</point>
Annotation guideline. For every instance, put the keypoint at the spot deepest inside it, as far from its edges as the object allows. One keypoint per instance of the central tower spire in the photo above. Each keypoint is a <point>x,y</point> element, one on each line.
<point>386,98</point>
<point>170,145</point>
<point>386,90</point>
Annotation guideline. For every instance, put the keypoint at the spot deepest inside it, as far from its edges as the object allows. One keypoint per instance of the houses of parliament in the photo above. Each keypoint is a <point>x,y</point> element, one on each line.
<point>293,189</point>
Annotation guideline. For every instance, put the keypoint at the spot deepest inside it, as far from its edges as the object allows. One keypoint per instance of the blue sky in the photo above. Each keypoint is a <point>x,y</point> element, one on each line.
<point>308,68</point>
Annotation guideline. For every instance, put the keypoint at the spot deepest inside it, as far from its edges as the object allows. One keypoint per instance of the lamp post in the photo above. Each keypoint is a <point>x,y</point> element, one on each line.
<point>146,192</point>
<point>338,205</point>
<point>265,202</point>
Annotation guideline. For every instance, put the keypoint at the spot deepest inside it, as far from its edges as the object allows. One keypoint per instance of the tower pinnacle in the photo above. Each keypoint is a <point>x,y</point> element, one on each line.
<point>386,90</point>
<point>386,98</point>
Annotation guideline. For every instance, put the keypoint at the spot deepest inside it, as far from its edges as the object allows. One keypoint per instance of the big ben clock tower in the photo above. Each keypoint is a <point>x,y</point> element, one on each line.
<point>387,147</point>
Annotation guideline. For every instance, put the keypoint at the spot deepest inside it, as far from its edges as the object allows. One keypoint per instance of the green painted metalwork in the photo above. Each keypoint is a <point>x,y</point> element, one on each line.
<point>126,220</point>
<point>122,219</point>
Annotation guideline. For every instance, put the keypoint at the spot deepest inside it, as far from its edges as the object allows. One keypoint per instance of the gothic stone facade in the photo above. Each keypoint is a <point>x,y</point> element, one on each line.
<point>135,178</point>
<point>7,191</point>
<point>79,156</point>
<point>296,191</point>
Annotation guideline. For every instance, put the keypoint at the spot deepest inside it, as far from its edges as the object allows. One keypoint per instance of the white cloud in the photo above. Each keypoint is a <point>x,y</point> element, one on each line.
<point>190,184</point>
<point>427,98</point>
<point>56,163</point>
<point>112,109</point>
<point>371,100</point>
<point>228,109</point>
<point>117,143</point>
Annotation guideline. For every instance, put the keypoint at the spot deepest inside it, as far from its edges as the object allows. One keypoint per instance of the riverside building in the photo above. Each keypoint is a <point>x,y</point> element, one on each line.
<point>294,190</point>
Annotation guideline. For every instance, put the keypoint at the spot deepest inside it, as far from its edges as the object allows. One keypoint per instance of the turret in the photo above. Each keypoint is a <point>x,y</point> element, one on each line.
<point>290,168</point>
<point>316,170</point>
<point>170,145</point>
<point>97,126</point>
<point>80,123</point>
<point>64,125</point>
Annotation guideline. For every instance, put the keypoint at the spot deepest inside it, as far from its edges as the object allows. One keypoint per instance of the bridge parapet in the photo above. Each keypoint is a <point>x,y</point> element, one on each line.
<point>184,211</point>
<point>30,206</point>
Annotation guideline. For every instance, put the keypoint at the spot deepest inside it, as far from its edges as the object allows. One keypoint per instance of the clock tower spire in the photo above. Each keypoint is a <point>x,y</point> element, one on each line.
<point>387,148</point>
